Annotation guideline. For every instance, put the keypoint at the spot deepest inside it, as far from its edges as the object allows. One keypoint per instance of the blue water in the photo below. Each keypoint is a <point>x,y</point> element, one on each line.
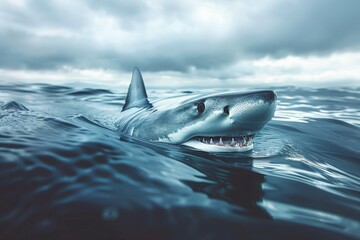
<point>66,173</point>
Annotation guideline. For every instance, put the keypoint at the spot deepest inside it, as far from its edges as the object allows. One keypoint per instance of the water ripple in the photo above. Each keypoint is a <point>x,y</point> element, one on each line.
<point>66,172</point>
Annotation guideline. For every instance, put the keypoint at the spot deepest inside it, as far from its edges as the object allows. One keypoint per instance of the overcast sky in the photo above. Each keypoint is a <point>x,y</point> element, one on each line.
<point>181,43</point>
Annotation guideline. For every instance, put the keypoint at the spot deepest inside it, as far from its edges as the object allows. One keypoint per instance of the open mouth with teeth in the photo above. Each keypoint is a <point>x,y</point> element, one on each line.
<point>222,143</point>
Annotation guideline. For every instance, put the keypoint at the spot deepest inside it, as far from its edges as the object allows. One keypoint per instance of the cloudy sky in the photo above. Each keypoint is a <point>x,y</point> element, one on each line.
<point>181,43</point>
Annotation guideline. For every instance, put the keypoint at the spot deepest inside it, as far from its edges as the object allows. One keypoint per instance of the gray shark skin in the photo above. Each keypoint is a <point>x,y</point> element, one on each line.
<point>224,122</point>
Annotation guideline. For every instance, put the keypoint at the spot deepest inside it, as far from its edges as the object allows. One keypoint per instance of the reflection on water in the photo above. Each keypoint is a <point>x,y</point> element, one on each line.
<point>65,173</point>
<point>238,186</point>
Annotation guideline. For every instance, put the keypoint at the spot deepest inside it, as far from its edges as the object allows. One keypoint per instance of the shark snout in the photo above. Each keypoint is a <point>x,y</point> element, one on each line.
<point>252,111</point>
<point>251,102</point>
<point>267,96</point>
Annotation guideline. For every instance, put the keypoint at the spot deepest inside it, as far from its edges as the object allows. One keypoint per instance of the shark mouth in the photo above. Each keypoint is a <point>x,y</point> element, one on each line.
<point>222,144</point>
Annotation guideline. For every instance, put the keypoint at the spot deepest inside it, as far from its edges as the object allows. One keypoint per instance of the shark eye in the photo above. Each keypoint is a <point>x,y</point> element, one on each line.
<point>201,107</point>
<point>226,110</point>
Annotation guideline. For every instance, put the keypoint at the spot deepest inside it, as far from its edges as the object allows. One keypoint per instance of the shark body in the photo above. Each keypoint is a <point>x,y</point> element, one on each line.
<point>225,122</point>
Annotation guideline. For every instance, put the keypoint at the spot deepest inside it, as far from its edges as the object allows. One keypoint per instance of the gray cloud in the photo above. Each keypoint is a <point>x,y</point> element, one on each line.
<point>163,36</point>
<point>306,27</point>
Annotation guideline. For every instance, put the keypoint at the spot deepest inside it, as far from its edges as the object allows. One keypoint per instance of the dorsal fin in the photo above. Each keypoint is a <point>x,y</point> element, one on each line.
<point>136,96</point>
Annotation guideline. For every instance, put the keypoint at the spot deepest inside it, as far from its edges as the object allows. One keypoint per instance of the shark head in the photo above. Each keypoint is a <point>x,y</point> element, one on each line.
<point>224,122</point>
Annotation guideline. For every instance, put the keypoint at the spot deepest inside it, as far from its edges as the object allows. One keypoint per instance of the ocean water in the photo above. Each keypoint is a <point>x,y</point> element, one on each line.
<point>66,173</point>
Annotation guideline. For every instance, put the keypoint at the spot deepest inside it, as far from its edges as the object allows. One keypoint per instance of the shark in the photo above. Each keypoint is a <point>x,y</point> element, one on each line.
<point>210,122</point>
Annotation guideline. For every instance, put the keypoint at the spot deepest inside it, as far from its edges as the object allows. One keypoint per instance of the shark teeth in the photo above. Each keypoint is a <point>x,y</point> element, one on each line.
<point>242,141</point>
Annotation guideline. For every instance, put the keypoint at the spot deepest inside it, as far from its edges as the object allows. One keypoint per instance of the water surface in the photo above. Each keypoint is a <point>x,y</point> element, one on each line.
<point>66,173</point>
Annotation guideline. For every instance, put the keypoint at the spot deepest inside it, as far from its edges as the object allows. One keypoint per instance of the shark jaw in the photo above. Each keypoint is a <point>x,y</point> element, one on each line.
<point>222,143</point>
